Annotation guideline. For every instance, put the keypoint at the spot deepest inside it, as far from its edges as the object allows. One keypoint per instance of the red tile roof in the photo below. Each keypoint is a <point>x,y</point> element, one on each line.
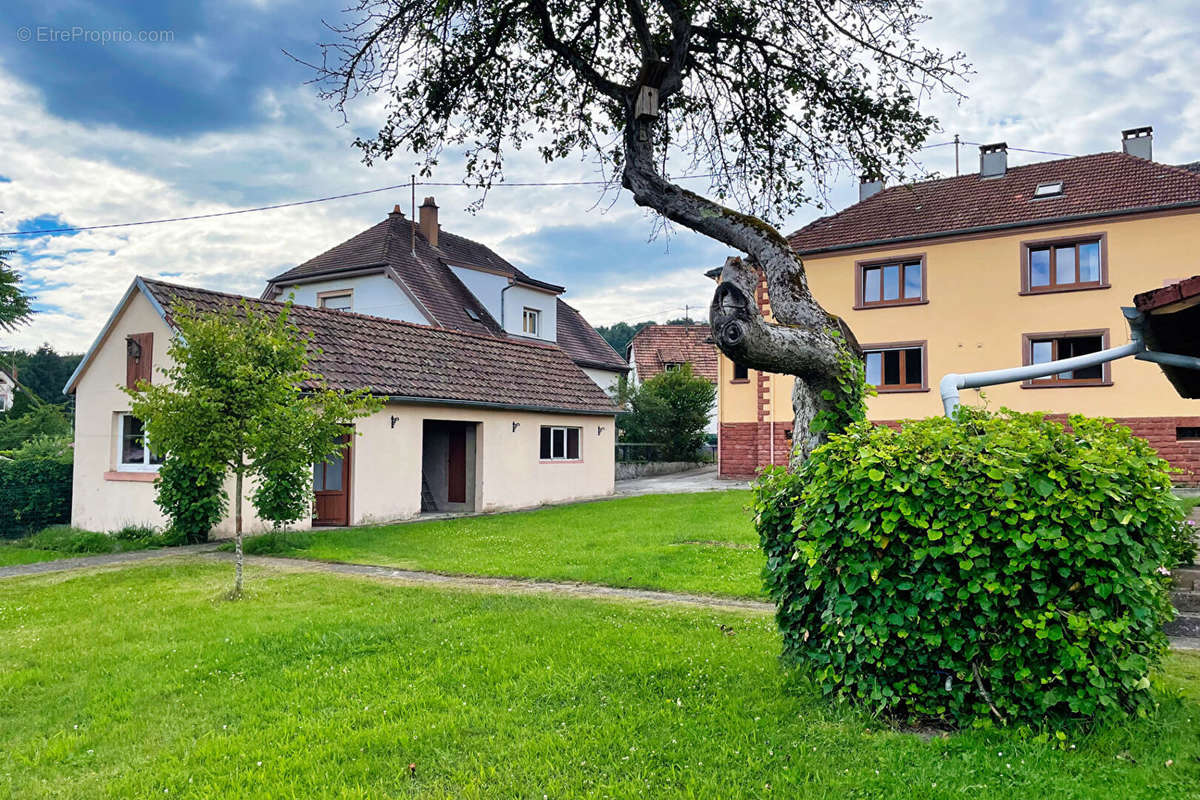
<point>1172,317</point>
<point>1097,185</point>
<point>583,344</point>
<point>655,346</point>
<point>419,362</point>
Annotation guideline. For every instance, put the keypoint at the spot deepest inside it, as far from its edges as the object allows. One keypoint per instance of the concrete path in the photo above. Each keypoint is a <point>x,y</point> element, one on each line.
<point>504,585</point>
<point>704,479</point>
<point>107,559</point>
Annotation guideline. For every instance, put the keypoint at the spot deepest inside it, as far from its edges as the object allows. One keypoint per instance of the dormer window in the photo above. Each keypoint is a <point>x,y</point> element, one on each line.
<point>531,322</point>
<point>341,300</point>
<point>1048,189</point>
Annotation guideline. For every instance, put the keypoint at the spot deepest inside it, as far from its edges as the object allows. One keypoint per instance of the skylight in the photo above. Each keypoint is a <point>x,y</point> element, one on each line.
<point>1048,189</point>
<point>472,313</point>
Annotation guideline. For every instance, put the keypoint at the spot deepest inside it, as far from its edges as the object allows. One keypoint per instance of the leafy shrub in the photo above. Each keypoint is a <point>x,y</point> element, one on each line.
<point>993,565</point>
<point>192,497</point>
<point>284,493</point>
<point>60,448</point>
<point>1182,545</point>
<point>45,420</point>
<point>671,410</point>
<point>34,493</point>
<point>138,537</point>
<point>65,539</point>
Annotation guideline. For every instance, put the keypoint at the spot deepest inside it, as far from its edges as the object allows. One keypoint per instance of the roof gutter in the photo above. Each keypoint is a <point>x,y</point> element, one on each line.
<point>1001,227</point>
<point>431,401</point>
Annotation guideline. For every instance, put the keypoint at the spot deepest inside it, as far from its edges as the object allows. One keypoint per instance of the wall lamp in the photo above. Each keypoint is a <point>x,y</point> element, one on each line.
<point>599,430</point>
<point>515,426</point>
<point>394,421</point>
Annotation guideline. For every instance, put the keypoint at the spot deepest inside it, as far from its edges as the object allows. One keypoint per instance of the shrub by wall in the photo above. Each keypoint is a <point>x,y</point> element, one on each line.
<point>193,498</point>
<point>996,565</point>
<point>34,493</point>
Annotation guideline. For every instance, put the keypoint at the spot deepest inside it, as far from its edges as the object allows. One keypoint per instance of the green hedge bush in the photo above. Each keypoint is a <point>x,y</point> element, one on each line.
<point>193,498</point>
<point>34,493</point>
<point>996,565</point>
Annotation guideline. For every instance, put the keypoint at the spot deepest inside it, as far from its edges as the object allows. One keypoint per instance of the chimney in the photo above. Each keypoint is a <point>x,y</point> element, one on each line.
<point>1138,142</point>
<point>993,160</point>
<point>429,221</point>
<point>868,186</point>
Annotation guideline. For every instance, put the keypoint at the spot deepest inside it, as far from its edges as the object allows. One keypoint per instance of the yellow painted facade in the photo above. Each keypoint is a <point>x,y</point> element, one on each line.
<point>976,315</point>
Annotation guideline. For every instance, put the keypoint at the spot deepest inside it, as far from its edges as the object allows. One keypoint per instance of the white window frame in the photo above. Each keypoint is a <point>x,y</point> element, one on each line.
<point>555,431</point>
<point>132,466</point>
<point>534,315</point>
<point>331,295</point>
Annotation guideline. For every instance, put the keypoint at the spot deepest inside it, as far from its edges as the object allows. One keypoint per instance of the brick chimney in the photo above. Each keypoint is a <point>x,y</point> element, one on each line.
<point>429,221</point>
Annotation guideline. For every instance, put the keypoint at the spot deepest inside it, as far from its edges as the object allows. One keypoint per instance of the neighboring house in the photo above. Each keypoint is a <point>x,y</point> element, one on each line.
<point>1010,266</point>
<point>473,421</point>
<point>8,391</point>
<point>423,274</point>
<point>657,348</point>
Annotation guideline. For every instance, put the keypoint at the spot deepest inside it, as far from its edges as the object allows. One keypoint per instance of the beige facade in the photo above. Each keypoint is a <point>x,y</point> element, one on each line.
<point>976,316</point>
<point>385,473</point>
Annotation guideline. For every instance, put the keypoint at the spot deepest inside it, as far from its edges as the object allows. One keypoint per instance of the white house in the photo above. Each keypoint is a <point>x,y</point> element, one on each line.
<point>8,390</point>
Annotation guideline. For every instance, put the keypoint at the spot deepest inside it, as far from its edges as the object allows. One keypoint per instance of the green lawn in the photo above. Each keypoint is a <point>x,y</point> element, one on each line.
<point>702,543</point>
<point>142,682</point>
<point>12,554</point>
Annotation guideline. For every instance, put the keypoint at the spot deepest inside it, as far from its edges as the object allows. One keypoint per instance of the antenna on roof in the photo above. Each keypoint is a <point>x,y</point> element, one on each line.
<point>957,142</point>
<point>412,221</point>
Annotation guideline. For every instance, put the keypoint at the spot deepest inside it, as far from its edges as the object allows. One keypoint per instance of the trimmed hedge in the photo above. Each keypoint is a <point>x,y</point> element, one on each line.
<point>995,565</point>
<point>34,493</point>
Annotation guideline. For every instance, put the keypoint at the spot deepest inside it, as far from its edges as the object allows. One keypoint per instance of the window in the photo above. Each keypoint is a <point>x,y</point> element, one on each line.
<point>337,301</point>
<point>133,454</point>
<point>1187,432</point>
<point>1048,189</point>
<point>893,283</point>
<point>560,444</point>
<point>1064,265</point>
<point>740,372</point>
<point>531,321</point>
<point>1041,348</point>
<point>898,367</point>
<point>671,366</point>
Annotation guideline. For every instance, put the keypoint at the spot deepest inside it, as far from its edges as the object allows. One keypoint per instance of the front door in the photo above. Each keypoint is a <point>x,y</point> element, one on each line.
<point>456,467</point>
<point>331,486</point>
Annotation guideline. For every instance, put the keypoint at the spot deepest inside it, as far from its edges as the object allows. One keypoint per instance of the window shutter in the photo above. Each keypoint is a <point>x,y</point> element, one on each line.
<point>139,358</point>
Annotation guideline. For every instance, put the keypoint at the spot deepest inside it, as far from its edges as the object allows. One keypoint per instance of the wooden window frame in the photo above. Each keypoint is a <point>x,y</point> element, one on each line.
<point>1027,340</point>
<point>861,267</point>
<point>536,313</point>
<point>564,459</point>
<point>922,345</point>
<point>1101,237</point>
<point>131,466</point>
<point>323,296</point>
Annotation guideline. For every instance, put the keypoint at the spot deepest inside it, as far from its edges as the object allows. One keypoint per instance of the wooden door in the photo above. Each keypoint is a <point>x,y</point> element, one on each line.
<point>331,486</point>
<point>456,467</point>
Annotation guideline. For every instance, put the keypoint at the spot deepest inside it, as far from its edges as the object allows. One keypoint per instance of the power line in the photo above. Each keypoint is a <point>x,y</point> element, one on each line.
<point>1027,150</point>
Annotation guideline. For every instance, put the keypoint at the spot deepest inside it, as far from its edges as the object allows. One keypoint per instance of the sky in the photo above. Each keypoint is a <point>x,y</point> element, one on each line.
<point>116,112</point>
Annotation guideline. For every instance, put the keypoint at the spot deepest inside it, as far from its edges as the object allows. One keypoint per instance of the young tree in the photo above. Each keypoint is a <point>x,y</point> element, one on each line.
<point>237,374</point>
<point>767,97</point>
<point>671,410</point>
<point>15,306</point>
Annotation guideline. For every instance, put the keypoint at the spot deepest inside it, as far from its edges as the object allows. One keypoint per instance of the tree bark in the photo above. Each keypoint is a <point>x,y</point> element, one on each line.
<point>237,533</point>
<point>803,340</point>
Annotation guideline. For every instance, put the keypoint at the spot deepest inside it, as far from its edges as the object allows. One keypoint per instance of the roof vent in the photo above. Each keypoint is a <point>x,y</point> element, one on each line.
<point>1138,142</point>
<point>1048,189</point>
<point>993,160</point>
<point>472,313</point>
<point>868,186</point>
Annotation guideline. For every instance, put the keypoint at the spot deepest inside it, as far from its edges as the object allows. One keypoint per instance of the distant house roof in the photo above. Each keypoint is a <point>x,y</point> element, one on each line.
<point>1172,317</point>
<point>1100,185</point>
<point>416,363</point>
<point>656,346</point>
<point>420,268</point>
<point>583,344</point>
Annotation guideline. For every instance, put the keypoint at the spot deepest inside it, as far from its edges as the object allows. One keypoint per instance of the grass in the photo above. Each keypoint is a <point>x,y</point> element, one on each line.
<point>63,541</point>
<point>324,686</point>
<point>15,553</point>
<point>702,543</point>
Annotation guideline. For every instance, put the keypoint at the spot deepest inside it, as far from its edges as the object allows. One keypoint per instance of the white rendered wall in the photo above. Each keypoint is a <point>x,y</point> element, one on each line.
<point>518,298</point>
<point>377,295</point>
<point>486,287</point>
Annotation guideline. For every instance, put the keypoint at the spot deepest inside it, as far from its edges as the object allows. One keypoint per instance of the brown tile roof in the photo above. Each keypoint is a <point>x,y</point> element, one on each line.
<point>1172,317</point>
<point>655,346</point>
<point>583,344</point>
<point>1096,185</point>
<point>401,359</point>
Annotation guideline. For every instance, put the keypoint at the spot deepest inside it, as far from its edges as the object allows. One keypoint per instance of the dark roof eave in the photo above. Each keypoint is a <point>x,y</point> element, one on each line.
<point>601,365</point>
<point>309,277</point>
<point>434,401</point>
<point>534,283</point>
<point>1000,227</point>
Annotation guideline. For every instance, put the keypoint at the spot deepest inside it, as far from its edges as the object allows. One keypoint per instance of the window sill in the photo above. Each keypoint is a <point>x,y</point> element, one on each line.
<point>739,380</point>
<point>893,304</point>
<point>135,477</point>
<point>901,390</point>
<point>560,461</point>
<point>1061,289</point>
<point>1065,385</point>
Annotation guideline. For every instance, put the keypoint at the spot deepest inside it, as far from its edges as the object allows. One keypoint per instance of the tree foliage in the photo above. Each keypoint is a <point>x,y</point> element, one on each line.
<point>670,410</point>
<point>42,420</point>
<point>990,566</point>
<point>192,497</point>
<point>16,308</point>
<point>620,334</point>
<point>239,378</point>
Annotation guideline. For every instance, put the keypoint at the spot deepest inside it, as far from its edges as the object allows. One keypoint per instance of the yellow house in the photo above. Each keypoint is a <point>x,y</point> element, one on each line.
<point>995,269</point>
